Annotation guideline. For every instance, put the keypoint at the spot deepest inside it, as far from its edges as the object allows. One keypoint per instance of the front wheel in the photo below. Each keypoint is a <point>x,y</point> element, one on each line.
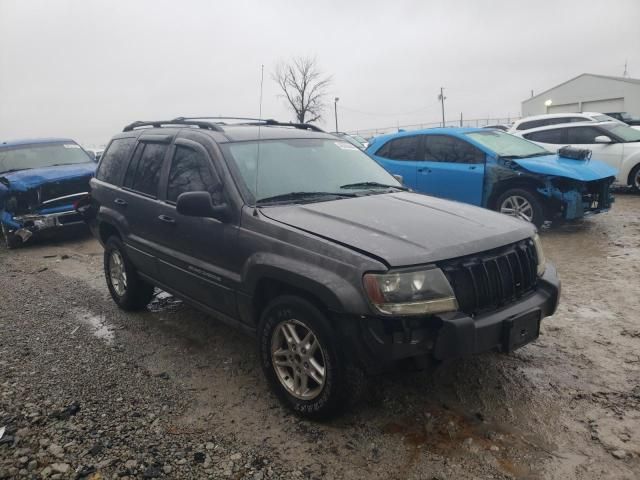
<point>11,240</point>
<point>300,357</point>
<point>127,289</point>
<point>634,178</point>
<point>521,203</point>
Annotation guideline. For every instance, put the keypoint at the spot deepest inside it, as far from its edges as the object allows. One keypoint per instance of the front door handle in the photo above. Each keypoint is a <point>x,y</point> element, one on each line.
<point>166,219</point>
<point>424,170</point>
<point>121,202</point>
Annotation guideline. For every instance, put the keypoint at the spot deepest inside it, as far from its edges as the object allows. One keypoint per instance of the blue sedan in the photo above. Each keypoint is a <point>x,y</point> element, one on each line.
<point>495,170</point>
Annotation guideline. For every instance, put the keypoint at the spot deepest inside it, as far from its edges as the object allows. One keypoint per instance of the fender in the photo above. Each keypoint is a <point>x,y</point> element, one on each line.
<point>337,293</point>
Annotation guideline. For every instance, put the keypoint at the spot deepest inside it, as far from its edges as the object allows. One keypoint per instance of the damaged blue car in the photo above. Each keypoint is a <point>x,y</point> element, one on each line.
<point>39,182</point>
<point>495,170</point>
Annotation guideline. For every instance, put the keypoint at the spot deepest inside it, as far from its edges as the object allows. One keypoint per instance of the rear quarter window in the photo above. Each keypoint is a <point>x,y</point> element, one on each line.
<point>114,160</point>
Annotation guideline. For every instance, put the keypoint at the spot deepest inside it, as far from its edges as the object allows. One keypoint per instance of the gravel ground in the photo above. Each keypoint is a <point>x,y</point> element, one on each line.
<point>88,391</point>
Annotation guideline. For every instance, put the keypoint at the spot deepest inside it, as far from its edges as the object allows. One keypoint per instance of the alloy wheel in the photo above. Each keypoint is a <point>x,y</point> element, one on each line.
<point>117,273</point>
<point>298,359</point>
<point>517,206</point>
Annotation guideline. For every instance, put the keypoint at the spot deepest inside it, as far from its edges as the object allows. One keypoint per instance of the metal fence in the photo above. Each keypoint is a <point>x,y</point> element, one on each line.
<point>460,122</point>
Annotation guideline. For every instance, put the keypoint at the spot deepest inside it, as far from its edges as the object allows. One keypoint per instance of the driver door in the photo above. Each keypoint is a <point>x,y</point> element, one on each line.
<point>196,258</point>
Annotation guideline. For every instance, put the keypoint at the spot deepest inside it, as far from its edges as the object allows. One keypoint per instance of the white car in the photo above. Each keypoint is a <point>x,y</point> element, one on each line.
<point>536,121</point>
<point>610,142</point>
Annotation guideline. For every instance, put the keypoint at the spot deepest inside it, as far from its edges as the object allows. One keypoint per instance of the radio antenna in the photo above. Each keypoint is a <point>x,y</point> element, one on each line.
<point>255,202</point>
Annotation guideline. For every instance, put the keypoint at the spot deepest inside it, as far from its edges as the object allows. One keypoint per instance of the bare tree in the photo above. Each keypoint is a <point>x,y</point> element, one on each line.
<point>303,85</point>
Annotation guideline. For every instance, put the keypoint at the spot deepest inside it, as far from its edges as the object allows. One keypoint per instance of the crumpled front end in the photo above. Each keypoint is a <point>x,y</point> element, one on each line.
<point>575,199</point>
<point>25,212</point>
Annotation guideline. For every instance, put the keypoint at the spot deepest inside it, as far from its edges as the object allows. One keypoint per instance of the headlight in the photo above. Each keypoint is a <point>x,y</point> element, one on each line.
<point>542,261</point>
<point>410,293</point>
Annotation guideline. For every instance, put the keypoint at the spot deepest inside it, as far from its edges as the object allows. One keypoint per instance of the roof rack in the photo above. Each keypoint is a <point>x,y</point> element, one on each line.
<point>168,123</point>
<point>257,121</point>
<point>206,123</point>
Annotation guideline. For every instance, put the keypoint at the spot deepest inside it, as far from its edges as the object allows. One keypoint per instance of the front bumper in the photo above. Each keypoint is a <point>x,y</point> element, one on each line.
<point>378,344</point>
<point>25,226</point>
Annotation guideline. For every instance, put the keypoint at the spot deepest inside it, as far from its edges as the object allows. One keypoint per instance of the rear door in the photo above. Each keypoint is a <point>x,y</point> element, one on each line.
<point>452,168</point>
<point>400,156</point>
<point>138,203</point>
<point>197,255</point>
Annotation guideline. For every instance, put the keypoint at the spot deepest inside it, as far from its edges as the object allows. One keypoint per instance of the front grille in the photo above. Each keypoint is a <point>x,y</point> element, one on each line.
<point>492,279</point>
<point>63,188</point>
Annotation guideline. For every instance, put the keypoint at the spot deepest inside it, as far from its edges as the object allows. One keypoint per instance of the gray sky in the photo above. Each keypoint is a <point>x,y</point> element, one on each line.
<point>85,68</point>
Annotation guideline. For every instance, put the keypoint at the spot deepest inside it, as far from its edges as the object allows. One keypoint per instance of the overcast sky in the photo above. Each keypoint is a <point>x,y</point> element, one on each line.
<point>85,68</point>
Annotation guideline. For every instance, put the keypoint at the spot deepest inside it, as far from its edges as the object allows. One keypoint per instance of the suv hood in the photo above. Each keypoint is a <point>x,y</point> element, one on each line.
<point>405,228</point>
<point>23,180</point>
<point>584,170</point>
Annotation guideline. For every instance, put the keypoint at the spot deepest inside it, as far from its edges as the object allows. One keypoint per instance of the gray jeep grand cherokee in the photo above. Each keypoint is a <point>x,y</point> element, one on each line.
<point>304,241</point>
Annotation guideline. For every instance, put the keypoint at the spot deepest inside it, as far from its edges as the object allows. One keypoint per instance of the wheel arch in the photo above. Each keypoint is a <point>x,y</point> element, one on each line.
<point>327,290</point>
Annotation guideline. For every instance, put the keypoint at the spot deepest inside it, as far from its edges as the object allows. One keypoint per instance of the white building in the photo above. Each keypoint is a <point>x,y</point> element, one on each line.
<point>587,93</point>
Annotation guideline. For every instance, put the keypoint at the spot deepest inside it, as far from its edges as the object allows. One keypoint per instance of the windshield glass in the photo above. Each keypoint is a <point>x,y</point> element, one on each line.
<point>627,134</point>
<point>627,117</point>
<point>506,145</point>
<point>41,155</point>
<point>604,118</point>
<point>305,165</point>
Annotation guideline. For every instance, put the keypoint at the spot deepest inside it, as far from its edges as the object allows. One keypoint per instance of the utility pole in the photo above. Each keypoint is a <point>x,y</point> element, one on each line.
<point>335,111</point>
<point>442,98</point>
<point>625,73</point>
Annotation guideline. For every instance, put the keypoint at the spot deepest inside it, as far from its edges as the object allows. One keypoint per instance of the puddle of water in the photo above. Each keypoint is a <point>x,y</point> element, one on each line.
<point>98,324</point>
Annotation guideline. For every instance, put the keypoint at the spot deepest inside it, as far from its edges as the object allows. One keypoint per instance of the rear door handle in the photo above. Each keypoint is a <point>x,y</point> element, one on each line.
<point>166,219</point>
<point>424,170</point>
<point>119,201</point>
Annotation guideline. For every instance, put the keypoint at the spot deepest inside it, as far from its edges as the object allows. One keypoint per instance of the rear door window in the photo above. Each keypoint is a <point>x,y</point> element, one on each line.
<point>190,172</point>
<point>143,174</point>
<point>554,136</point>
<point>444,148</point>
<point>403,148</point>
<point>114,160</point>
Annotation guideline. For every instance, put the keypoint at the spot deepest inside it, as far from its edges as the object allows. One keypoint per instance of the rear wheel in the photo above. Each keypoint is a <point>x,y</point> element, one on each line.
<point>300,357</point>
<point>127,289</point>
<point>634,178</point>
<point>521,203</point>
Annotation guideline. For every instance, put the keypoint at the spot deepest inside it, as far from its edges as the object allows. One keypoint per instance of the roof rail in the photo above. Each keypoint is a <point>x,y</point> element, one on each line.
<point>258,121</point>
<point>208,124</point>
<point>168,123</point>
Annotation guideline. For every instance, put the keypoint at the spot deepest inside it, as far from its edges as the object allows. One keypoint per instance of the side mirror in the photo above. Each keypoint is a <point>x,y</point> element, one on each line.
<point>200,204</point>
<point>399,179</point>
<point>603,139</point>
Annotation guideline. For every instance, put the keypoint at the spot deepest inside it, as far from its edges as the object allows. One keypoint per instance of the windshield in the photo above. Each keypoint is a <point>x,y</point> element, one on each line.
<point>506,145</point>
<point>626,133</point>
<point>41,155</point>
<point>306,165</point>
<point>628,117</point>
<point>605,118</point>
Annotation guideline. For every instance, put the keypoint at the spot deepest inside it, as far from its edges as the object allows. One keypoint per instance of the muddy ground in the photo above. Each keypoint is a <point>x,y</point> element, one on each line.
<point>172,393</point>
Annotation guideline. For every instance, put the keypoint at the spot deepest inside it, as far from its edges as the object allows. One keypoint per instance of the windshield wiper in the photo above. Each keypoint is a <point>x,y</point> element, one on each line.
<point>511,157</point>
<point>371,185</point>
<point>15,170</point>
<point>309,196</point>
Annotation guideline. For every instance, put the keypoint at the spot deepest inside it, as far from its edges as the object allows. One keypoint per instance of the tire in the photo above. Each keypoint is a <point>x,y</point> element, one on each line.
<point>11,240</point>
<point>279,320</point>
<point>130,292</point>
<point>523,203</point>
<point>634,178</point>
